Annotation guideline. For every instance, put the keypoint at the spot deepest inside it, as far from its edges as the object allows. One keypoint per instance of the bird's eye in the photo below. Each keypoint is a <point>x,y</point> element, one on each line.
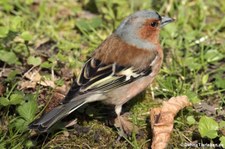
<point>154,24</point>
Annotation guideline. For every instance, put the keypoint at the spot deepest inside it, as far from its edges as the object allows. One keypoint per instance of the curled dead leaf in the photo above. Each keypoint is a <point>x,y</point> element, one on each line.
<point>162,120</point>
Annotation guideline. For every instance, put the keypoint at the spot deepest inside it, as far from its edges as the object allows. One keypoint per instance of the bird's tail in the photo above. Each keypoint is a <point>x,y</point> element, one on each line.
<point>46,121</point>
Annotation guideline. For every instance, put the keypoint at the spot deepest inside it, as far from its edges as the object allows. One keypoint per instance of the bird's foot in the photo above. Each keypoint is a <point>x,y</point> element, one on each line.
<point>126,127</point>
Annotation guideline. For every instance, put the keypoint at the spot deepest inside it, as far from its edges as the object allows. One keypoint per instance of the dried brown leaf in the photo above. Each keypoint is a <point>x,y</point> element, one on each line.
<point>33,75</point>
<point>49,83</point>
<point>162,120</point>
<point>62,89</point>
<point>26,85</point>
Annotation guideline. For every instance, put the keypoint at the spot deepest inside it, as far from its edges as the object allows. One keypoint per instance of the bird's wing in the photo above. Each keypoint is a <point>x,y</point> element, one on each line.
<point>96,76</point>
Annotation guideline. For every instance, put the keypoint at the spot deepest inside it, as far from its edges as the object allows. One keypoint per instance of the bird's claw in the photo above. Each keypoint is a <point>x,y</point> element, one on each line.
<point>125,126</point>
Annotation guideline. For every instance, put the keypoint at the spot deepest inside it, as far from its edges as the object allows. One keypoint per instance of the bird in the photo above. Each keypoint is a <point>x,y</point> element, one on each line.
<point>121,67</point>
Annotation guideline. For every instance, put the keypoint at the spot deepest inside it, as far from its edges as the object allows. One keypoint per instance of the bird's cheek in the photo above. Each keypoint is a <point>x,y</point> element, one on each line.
<point>144,33</point>
<point>149,34</point>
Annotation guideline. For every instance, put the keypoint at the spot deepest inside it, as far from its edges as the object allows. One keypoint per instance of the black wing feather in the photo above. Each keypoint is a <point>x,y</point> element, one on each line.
<point>96,76</point>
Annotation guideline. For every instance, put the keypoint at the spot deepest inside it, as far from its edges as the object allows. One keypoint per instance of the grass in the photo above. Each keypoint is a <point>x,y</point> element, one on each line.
<point>54,38</point>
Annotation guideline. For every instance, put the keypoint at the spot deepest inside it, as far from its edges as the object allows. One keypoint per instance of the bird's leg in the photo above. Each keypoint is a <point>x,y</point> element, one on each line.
<point>123,123</point>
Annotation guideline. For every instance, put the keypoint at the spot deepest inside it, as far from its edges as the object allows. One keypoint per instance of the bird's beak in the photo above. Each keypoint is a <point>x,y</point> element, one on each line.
<point>166,20</point>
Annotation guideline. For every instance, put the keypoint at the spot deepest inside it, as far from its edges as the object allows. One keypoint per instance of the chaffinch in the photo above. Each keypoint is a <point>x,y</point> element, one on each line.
<point>120,68</point>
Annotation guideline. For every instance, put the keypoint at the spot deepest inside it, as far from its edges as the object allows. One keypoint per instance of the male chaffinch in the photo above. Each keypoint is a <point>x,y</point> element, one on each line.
<point>120,68</point>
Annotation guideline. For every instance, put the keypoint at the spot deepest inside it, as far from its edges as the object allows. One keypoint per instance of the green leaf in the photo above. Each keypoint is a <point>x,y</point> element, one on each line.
<point>16,99</point>
<point>205,79</point>
<point>8,57</point>
<point>4,31</point>
<point>220,81</point>
<point>59,82</point>
<point>21,48</point>
<point>29,144</point>
<point>208,127</point>
<point>29,2</point>
<point>26,36</point>
<point>28,110</point>
<point>46,65</point>
<point>20,124</point>
<point>2,145</point>
<point>35,61</point>
<point>192,96</point>
<point>191,120</point>
<point>15,23</point>
<point>88,25</point>
<point>213,55</point>
<point>11,76</point>
<point>4,101</point>
<point>222,141</point>
<point>222,125</point>
<point>192,63</point>
<point>6,5</point>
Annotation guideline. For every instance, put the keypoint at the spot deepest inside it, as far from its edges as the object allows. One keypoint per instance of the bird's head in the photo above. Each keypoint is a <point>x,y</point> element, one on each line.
<point>142,28</point>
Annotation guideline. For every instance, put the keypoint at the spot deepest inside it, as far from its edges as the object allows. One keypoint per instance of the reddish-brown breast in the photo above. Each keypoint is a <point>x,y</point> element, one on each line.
<point>113,49</point>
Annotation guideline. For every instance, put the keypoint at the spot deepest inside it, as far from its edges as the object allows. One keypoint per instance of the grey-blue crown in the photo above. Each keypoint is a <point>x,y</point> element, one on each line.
<point>144,14</point>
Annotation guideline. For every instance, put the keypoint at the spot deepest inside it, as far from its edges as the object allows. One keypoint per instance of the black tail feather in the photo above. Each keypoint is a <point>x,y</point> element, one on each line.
<point>49,119</point>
